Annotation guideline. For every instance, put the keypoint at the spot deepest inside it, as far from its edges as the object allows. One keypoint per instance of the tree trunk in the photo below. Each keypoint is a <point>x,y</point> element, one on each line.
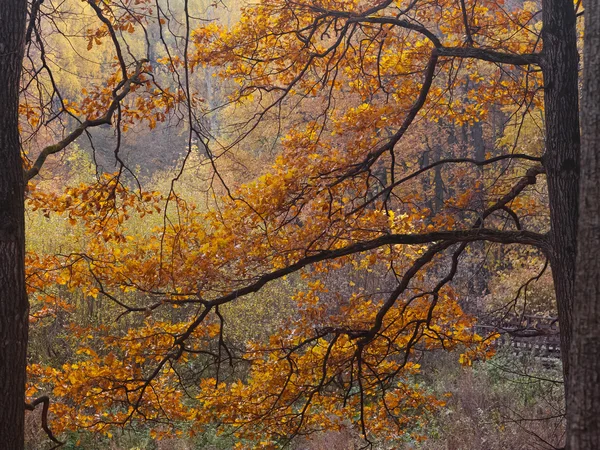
<point>14,307</point>
<point>583,403</point>
<point>561,158</point>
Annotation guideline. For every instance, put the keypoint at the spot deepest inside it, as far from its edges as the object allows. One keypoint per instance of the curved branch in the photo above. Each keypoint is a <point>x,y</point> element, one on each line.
<point>45,400</point>
<point>513,216</point>
<point>530,178</point>
<point>460,52</point>
<point>483,54</point>
<point>412,113</point>
<point>113,36</point>
<point>448,237</point>
<point>84,126</point>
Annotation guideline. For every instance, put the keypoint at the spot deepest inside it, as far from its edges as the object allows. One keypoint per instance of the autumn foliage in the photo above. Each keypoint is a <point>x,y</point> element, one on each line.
<point>351,94</point>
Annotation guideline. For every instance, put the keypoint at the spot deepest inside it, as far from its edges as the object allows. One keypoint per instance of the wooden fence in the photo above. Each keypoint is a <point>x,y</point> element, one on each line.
<point>535,336</point>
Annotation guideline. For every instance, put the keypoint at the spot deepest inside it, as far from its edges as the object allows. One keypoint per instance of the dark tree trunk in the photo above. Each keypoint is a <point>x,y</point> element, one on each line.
<point>561,159</point>
<point>478,143</point>
<point>583,403</point>
<point>13,298</point>
<point>438,181</point>
<point>479,275</point>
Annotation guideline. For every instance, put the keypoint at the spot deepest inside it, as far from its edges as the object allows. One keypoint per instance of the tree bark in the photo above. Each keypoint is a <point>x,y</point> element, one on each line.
<point>561,159</point>
<point>14,307</point>
<point>583,403</point>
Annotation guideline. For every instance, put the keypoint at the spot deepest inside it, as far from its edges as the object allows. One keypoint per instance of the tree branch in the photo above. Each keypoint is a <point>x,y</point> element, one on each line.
<point>45,400</point>
<point>113,36</point>
<point>494,56</point>
<point>470,235</point>
<point>459,52</point>
<point>105,119</point>
<point>412,113</point>
<point>35,8</point>
<point>416,173</point>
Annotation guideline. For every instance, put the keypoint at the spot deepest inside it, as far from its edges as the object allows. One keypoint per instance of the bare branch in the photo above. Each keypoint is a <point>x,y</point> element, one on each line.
<point>45,400</point>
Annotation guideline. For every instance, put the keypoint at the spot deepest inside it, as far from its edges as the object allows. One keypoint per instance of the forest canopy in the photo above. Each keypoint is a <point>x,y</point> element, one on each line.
<point>273,223</point>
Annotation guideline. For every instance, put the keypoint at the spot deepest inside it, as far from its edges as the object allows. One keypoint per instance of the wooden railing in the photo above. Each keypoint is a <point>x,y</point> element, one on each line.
<point>536,336</point>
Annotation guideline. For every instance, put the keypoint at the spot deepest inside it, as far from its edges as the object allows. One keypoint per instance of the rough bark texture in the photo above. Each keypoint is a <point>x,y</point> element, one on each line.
<point>561,159</point>
<point>583,407</point>
<point>13,297</point>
